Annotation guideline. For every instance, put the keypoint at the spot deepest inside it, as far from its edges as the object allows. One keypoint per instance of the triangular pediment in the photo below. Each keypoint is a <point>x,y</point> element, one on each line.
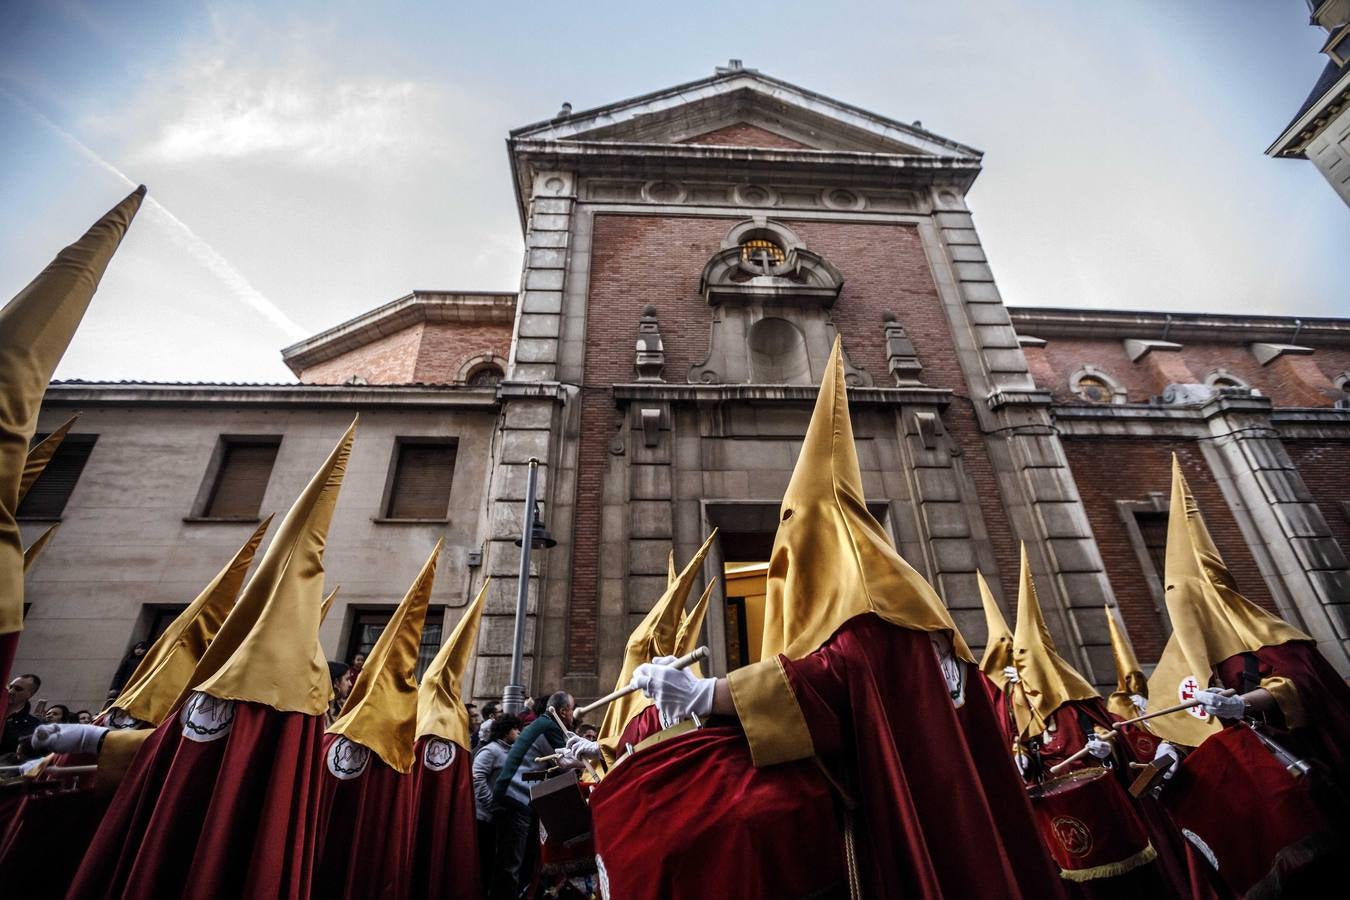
<point>744,108</point>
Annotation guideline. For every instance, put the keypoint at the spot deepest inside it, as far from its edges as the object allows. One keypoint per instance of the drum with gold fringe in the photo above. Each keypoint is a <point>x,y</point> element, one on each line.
<point>1090,825</point>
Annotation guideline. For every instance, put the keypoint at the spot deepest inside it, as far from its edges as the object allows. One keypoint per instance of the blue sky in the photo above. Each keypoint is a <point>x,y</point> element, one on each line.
<point>310,161</point>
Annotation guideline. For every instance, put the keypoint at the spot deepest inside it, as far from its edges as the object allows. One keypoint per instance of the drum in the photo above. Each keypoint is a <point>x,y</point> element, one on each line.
<point>1090,825</point>
<point>1238,805</point>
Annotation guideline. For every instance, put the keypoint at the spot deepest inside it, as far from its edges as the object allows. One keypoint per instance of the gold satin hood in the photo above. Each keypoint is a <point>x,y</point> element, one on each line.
<point>34,550</point>
<point>42,454</point>
<point>35,329</point>
<point>1211,621</point>
<point>267,651</point>
<point>1047,680</point>
<point>1129,675</point>
<point>167,666</point>
<point>381,712</point>
<point>655,636</point>
<point>998,652</point>
<point>440,705</point>
<point>831,560</point>
<point>328,604</point>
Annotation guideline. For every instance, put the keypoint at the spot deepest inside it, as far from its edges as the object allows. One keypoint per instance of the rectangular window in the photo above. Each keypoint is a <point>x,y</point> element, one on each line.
<point>243,469</point>
<point>419,486</point>
<point>47,498</point>
<point>1153,530</point>
<point>368,624</point>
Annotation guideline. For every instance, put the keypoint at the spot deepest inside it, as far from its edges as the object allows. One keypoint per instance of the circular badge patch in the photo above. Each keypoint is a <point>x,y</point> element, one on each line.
<point>347,759</point>
<point>1199,843</point>
<point>118,719</point>
<point>206,718</point>
<point>603,876</point>
<point>1186,691</point>
<point>1072,835</point>
<point>438,754</point>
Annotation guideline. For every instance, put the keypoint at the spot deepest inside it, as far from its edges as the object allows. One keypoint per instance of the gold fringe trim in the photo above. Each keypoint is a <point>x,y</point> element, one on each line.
<point>1111,870</point>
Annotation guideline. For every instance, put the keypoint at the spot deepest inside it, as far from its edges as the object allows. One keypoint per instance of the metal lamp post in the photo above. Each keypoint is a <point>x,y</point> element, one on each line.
<point>513,695</point>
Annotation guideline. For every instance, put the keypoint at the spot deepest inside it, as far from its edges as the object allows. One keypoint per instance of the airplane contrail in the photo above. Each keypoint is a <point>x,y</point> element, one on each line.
<point>184,236</point>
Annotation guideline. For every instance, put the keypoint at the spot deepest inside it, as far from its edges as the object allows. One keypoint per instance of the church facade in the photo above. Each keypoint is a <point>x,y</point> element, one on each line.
<point>690,257</point>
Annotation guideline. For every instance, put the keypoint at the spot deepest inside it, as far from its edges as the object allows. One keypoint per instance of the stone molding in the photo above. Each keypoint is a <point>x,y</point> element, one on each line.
<point>395,316</point>
<point>1050,322</point>
<point>1137,348</point>
<point>776,393</point>
<point>1266,353</point>
<point>96,394</point>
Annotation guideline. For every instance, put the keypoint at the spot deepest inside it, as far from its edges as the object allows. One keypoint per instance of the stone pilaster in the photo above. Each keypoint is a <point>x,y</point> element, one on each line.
<point>1035,482</point>
<point>533,423</point>
<point>1306,569</point>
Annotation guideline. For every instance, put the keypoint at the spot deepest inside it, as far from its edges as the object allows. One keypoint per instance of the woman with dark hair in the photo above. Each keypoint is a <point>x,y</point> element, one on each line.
<point>343,677</point>
<point>127,667</point>
<point>487,764</point>
<point>58,713</point>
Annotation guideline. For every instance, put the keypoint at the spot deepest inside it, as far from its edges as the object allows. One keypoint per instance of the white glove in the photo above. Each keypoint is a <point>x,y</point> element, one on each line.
<point>1010,673</point>
<point>56,738</point>
<point>1167,750</point>
<point>1140,702</point>
<point>1023,762</point>
<point>676,692</point>
<point>578,746</point>
<point>1098,747</point>
<point>566,759</point>
<point>1224,707</point>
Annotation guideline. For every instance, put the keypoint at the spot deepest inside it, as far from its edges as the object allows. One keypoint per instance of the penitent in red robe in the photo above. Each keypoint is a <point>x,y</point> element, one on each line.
<point>1176,872</point>
<point>1324,695</point>
<point>230,815</point>
<point>940,810</point>
<point>366,812</point>
<point>445,845</point>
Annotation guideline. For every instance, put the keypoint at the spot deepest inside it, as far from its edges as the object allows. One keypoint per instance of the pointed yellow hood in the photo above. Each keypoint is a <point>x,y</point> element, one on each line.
<point>381,712</point>
<point>998,652</point>
<point>42,454</point>
<point>691,623</point>
<point>35,329</point>
<point>440,710</point>
<point>670,568</point>
<point>1211,621</point>
<point>167,666</point>
<point>328,604</point>
<point>1129,675</point>
<point>267,651</point>
<point>1047,680</point>
<point>35,549</point>
<point>831,560</point>
<point>655,636</point>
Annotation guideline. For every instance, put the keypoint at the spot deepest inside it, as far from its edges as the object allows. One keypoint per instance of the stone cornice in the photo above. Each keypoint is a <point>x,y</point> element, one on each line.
<point>776,393</point>
<point>739,164</point>
<point>303,395</point>
<point>1292,142</point>
<point>393,317</point>
<point>1050,323</point>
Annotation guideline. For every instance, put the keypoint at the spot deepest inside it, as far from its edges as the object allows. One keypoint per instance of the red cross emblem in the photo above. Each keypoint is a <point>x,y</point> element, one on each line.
<point>1189,687</point>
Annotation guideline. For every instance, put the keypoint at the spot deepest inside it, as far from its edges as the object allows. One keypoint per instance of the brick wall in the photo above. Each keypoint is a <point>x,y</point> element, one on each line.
<point>743,134</point>
<point>428,352</point>
<point>1280,381</point>
<point>447,346</point>
<point>1323,466</point>
<point>388,360</point>
<point>1111,469</point>
<point>640,260</point>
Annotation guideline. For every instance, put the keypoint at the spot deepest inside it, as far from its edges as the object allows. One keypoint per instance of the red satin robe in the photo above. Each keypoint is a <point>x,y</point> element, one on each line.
<point>445,849</point>
<point>230,817</point>
<point>366,825</point>
<point>938,809</point>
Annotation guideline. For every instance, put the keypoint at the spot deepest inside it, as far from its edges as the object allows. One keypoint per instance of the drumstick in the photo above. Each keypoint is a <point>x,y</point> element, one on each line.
<point>683,662</point>
<point>1189,704</point>
<point>1061,766</point>
<point>566,733</point>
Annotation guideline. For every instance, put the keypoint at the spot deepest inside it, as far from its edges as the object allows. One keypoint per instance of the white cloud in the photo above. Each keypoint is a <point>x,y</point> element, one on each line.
<point>226,115</point>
